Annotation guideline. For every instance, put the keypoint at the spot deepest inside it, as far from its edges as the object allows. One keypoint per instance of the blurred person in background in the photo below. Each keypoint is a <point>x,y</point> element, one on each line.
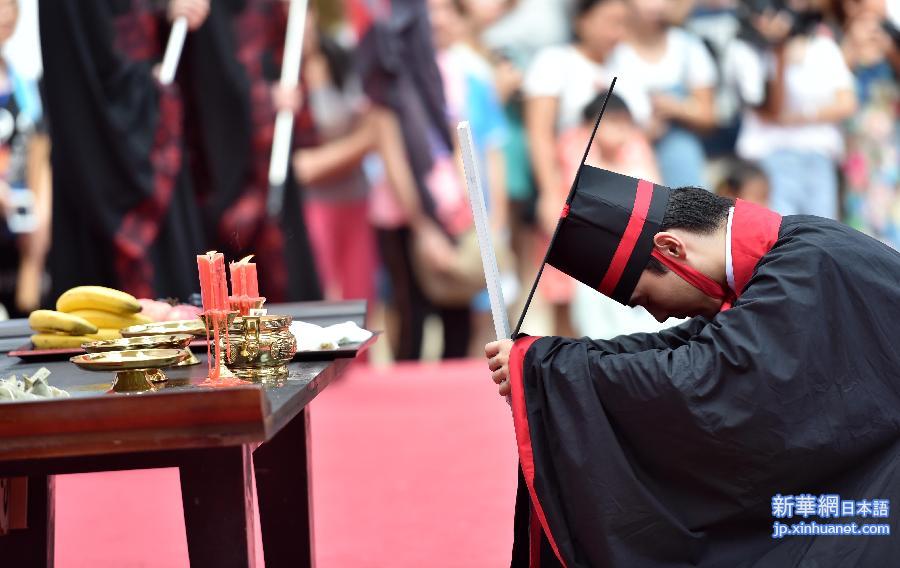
<point>468,80</point>
<point>620,145</point>
<point>680,75</point>
<point>334,136</point>
<point>415,225</point>
<point>520,190</point>
<point>124,211</point>
<point>226,77</point>
<point>561,81</point>
<point>716,24</point>
<point>680,10</point>
<point>745,180</point>
<point>526,26</point>
<point>870,46</point>
<point>798,90</point>
<point>886,11</point>
<point>25,184</point>
<point>513,33</point>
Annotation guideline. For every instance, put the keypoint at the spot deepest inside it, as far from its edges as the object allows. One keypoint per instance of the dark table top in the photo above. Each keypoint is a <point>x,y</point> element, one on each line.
<point>183,414</point>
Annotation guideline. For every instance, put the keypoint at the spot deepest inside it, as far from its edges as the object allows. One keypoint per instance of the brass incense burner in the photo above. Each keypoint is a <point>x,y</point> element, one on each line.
<point>260,347</point>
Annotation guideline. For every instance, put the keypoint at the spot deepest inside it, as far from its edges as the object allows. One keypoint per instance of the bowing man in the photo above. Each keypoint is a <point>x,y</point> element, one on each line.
<point>674,448</point>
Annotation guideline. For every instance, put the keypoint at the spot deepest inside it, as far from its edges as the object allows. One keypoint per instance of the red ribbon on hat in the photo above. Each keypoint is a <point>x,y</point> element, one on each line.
<point>696,279</point>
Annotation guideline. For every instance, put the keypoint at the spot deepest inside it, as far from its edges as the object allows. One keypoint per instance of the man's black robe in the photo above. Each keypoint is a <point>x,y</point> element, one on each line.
<point>666,449</point>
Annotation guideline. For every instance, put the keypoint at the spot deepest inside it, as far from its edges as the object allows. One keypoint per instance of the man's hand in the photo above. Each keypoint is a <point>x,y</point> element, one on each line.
<point>194,10</point>
<point>286,98</point>
<point>497,353</point>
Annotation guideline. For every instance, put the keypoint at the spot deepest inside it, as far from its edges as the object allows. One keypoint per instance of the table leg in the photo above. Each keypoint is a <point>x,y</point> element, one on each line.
<point>33,546</point>
<point>217,496</point>
<point>282,490</point>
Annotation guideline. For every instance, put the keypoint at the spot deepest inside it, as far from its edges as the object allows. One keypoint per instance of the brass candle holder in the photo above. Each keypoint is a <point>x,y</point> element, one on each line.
<point>260,347</point>
<point>137,370</point>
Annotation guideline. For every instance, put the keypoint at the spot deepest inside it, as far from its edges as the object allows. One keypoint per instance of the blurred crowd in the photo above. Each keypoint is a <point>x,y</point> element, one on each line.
<point>789,103</point>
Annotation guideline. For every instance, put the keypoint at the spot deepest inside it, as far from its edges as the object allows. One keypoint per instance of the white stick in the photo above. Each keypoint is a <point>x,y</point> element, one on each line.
<point>482,229</point>
<point>173,51</point>
<point>290,72</point>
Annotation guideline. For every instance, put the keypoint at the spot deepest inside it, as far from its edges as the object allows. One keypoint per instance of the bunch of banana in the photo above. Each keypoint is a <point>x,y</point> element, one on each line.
<point>58,330</point>
<point>85,313</point>
<point>98,298</point>
<point>103,307</point>
<point>65,341</point>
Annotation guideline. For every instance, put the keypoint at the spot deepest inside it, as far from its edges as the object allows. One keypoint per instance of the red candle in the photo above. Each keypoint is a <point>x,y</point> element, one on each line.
<point>243,278</point>
<point>237,288</point>
<point>222,282</point>
<point>251,285</point>
<point>204,281</point>
<point>213,287</point>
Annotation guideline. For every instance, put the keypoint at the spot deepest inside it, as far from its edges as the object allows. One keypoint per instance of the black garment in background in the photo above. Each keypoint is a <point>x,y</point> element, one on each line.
<point>217,112</point>
<point>104,112</point>
<point>665,450</point>
<point>413,307</point>
<point>396,62</point>
<point>230,160</point>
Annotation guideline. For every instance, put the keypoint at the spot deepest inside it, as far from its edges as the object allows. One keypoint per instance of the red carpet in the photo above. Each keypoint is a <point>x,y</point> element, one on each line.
<point>412,466</point>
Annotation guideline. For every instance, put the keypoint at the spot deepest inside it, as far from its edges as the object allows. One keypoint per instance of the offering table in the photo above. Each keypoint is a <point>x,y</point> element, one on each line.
<point>214,436</point>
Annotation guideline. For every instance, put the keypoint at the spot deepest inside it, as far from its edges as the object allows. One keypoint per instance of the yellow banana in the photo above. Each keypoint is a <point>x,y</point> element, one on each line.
<point>59,340</point>
<point>110,320</point>
<point>50,321</point>
<point>105,333</point>
<point>97,298</point>
<point>64,341</point>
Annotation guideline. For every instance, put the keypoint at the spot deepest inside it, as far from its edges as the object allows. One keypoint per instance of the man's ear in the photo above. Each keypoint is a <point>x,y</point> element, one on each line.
<point>669,244</point>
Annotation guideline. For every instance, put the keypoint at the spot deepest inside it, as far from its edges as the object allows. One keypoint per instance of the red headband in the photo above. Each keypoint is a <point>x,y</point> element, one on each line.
<point>695,278</point>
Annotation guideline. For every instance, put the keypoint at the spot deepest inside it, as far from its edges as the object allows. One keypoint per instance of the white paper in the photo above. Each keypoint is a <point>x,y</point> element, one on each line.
<point>311,337</point>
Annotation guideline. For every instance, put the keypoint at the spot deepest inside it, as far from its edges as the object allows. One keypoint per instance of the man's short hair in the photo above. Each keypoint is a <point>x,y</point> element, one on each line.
<point>692,209</point>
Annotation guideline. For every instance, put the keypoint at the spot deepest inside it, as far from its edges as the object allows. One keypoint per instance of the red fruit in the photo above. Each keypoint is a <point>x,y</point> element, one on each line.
<point>157,311</point>
<point>184,312</point>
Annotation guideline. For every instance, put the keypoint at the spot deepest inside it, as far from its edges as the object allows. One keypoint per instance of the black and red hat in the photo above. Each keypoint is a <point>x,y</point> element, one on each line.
<point>605,234</point>
<point>604,237</point>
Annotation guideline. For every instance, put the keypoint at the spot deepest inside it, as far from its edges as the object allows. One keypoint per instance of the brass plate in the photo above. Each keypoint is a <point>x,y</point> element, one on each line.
<point>132,359</point>
<point>192,327</point>
<point>173,341</point>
